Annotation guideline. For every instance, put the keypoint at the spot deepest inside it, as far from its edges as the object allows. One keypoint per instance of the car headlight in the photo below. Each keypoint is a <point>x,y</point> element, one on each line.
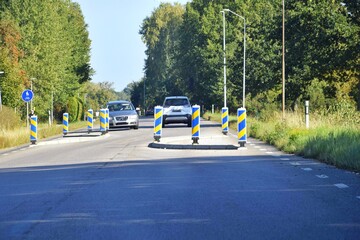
<point>110,118</point>
<point>132,117</point>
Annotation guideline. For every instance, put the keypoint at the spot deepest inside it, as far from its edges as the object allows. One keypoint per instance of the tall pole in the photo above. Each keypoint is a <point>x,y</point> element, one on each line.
<point>224,50</point>
<point>244,64</point>
<point>283,59</point>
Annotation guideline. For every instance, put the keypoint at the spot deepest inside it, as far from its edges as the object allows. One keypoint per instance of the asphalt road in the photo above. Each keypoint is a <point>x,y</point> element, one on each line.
<point>116,187</point>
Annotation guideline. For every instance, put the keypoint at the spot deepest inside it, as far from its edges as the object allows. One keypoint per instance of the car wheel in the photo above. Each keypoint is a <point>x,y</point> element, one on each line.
<point>189,123</point>
<point>136,127</point>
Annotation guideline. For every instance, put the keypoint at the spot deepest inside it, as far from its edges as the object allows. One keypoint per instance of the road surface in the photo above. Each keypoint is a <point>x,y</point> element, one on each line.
<point>116,187</point>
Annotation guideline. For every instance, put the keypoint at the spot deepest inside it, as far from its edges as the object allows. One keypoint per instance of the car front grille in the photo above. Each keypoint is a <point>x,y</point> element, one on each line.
<point>123,118</point>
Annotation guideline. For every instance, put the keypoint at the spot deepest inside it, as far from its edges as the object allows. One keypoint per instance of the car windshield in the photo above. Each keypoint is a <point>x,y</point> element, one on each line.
<point>176,102</point>
<point>115,107</point>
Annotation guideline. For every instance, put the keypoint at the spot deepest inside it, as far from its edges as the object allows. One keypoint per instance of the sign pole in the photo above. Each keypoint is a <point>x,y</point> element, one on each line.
<point>27,114</point>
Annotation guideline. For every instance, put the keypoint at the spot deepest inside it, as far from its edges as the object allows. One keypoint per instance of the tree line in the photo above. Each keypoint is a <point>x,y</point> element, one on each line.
<point>184,54</point>
<point>45,46</point>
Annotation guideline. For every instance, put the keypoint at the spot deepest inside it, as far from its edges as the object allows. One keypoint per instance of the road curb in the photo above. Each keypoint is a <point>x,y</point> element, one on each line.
<point>192,146</point>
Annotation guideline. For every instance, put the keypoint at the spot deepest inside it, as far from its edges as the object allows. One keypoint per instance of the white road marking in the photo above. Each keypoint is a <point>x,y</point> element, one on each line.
<point>285,159</point>
<point>307,169</point>
<point>256,147</point>
<point>269,152</point>
<point>322,176</point>
<point>262,149</point>
<point>295,163</point>
<point>251,144</point>
<point>341,185</point>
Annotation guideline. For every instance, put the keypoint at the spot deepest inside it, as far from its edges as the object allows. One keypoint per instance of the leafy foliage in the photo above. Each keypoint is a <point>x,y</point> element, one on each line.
<point>322,51</point>
<point>46,43</point>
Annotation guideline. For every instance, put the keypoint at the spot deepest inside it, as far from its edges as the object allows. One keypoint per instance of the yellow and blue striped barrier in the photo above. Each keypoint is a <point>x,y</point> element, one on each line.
<point>158,118</point>
<point>65,123</point>
<point>225,120</point>
<point>102,121</point>
<point>107,120</point>
<point>241,126</point>
<point>195,123</point>
<point>90,120</point>
<point>33,129</point>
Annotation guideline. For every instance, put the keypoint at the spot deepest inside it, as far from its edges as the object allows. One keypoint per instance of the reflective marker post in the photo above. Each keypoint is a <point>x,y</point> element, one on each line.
<point>307,122</point>
<point>33,129</point>
<point>102,121</point>
<point>65,123</point>
<point>158,114</point>
<point>107,120</point>
<point>225,120</point>
<point>241,126</point>
<point>90,116</point>
<point>195,123</point>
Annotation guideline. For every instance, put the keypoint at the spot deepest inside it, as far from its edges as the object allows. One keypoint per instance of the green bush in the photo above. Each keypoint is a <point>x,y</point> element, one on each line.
<point>73,109</point>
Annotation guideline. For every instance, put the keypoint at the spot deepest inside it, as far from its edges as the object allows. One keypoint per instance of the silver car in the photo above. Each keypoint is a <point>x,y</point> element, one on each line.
<point>177,109</point>
<point>122,114</point>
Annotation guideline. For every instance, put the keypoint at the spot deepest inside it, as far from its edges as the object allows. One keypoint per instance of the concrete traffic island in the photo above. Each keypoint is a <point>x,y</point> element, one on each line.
<point>211,138</point>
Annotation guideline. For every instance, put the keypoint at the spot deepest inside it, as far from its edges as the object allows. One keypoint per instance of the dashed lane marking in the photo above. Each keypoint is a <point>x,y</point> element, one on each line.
<point>322,176</point>
<point>341,185</point>
<point>285,159</point>
<point>307,169</point>
<point>262,149</point>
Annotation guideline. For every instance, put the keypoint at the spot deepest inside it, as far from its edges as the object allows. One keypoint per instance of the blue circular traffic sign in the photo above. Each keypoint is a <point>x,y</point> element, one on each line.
<point>27,95</point>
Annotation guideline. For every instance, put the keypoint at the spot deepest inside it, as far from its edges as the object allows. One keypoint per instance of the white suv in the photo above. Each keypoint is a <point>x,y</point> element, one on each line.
<point>177,109</point>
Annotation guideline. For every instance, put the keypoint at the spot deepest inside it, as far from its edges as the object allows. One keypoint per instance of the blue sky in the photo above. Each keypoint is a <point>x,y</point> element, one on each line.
<point>117,51</point>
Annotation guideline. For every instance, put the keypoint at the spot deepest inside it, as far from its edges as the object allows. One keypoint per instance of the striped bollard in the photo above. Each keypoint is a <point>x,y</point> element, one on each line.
<point>90,120</point>
<point>65,123</point>
<point>195,124</point>
<point>102,121</point>
<point>225,120</point>
<point>107,120</point>
<point>241,126</point>
<point>158,114</point>
<point>33,129</point>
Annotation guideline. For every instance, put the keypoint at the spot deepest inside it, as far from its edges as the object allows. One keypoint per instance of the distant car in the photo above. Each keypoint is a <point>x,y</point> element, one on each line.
<point>122,114</point>
<point>177,109</point>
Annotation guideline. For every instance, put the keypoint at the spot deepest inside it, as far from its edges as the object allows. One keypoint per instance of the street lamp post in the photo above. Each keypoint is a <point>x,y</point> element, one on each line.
<point>228,10</point>
<point>1,73</point>
<point>224,52</point>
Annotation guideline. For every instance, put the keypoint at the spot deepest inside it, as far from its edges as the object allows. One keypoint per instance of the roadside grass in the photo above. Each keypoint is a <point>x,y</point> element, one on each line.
<point>330,139</point>
<point>12,137</point>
